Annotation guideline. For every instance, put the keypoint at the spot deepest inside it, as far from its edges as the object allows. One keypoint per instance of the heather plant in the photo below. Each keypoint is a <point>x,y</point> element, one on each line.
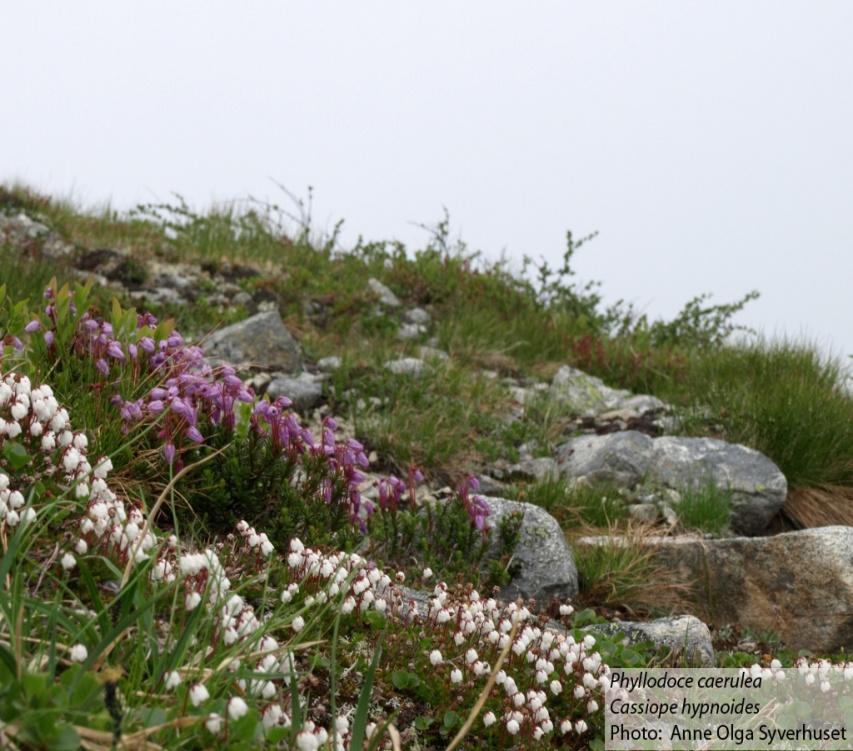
<point>451,539</point>
<point>225,659</point>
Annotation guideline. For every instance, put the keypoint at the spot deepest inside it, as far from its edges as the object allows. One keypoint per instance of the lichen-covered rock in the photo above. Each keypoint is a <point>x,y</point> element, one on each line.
<point>757,486</point>
<point>685,637</point>
<point>261,341</point>
<point>586,394</point>
<point>546,566</point>
<point>622,458</point>
<point>798,585</point>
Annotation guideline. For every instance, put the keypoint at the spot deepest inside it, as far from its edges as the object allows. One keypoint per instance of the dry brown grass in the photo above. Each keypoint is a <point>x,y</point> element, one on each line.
<point>619,571</point>
<point>821,506</point>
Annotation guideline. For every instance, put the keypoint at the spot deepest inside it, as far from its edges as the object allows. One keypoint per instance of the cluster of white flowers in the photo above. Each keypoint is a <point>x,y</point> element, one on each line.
<point>540,658</point>
<point>470,631</point>
<point>255,541</point>
<point>33,417</point>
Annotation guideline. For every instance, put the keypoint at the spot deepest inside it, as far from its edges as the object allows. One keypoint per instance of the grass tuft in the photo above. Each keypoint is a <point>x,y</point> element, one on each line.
<point>706,508</point>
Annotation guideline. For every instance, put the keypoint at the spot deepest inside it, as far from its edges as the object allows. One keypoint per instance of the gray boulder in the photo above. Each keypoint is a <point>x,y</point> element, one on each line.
<point>303,391</point>
<point>545,561</point>
<point>622,458</point>
<point>757,485</point>
<point>685,637</point>
<point>798,585</point>
<point>627,458</point>
<point>261,341</point>
<point>586,394</point>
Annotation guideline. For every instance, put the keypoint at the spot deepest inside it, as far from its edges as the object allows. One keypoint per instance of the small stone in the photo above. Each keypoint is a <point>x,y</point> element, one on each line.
<point>643,513</point>
<point>417,316</point>
<point>490,485</point>
<point>432,353</point>
<point>683,636</point>
<point>303,391</point>
<point>669,515</point>
<point>409,331</point>
<point>329,364</point>
<point>261,341</point>
<point>411,366</point>
<point>541,468</point>
<point>242,298</point>
<point>385,295</point>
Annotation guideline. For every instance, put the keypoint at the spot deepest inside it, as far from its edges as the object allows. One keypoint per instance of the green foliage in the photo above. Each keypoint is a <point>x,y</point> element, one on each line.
<point>445,418</point>
<point>440,536</point>
<point>251,480</point>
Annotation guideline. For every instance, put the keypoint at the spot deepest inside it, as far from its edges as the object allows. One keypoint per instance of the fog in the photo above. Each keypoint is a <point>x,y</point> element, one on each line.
<point>709,143</point>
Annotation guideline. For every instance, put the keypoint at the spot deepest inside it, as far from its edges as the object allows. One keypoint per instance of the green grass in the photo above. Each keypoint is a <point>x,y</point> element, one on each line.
<point>785,400</point>
<point>444,420</point>
<point>575,505</point>
<point>705,508</point>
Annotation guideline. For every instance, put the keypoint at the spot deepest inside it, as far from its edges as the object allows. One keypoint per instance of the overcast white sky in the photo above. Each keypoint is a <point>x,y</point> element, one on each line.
<point>710,143</point>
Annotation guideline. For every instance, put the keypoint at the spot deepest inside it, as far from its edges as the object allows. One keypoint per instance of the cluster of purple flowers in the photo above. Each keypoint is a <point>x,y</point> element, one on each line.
<point>191,396</point>
<point>392,489</point>
<point>475,505</point>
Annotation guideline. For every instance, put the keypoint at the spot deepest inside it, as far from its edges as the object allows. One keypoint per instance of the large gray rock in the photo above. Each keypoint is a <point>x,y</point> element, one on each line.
<point>303,391</point>
<point>685,637</point>
<point>798,585</point>
<point>622,458</point>
<point>546,566</point>
<point>586,394</point>
<point>261,341</point>
<point>757,486</point>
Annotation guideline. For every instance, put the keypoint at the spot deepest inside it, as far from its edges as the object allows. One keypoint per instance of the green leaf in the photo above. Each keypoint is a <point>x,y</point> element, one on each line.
<point>360,720</point>
<point>16,455</point>
<point>65,739</point>
<point>404,680</point>
<point>451,719</point>
<point>422,723</point>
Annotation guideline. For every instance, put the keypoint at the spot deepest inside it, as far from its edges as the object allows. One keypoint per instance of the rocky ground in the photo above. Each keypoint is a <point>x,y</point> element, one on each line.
<point>797,585</point>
